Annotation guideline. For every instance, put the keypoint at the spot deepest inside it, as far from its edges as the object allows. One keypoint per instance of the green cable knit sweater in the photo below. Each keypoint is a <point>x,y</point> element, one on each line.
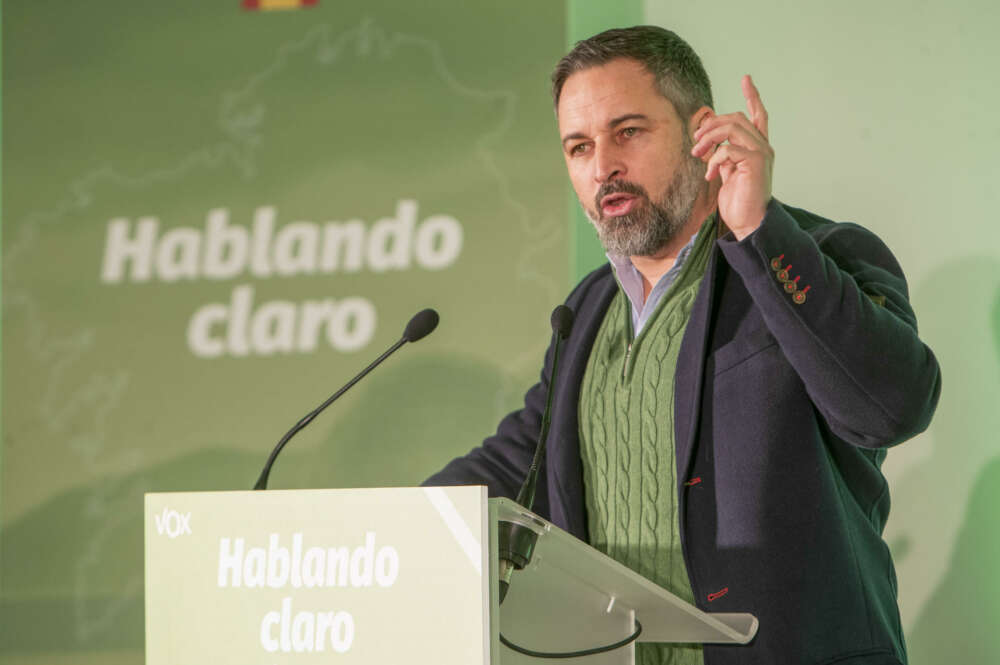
<point>627,441</point>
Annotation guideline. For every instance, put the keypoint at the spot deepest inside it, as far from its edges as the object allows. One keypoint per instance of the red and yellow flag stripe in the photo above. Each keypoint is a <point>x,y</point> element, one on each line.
<point>269,5</point>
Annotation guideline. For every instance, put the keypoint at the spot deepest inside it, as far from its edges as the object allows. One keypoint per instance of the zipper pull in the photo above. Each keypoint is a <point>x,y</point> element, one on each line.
<point>628,353</point>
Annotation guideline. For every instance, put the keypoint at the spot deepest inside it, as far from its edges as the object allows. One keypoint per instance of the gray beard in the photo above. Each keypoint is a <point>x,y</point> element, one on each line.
<point>653,224</point>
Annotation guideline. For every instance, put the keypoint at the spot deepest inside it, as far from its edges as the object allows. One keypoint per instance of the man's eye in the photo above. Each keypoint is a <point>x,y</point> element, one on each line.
<point>629,132</point>
<point>578,149</point>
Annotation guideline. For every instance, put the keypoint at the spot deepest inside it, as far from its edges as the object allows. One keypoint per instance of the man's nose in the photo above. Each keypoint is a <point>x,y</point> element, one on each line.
<point>608,164</point>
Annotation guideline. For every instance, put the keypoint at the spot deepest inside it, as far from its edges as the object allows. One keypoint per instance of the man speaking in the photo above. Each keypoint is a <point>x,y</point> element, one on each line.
<point>734,376</point>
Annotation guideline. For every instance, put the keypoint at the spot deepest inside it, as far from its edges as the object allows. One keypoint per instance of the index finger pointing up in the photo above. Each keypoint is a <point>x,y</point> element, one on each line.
<point>758,114</point>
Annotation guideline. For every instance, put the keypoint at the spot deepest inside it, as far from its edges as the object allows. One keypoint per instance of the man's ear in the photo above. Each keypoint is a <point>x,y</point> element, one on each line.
<point>697,118</point>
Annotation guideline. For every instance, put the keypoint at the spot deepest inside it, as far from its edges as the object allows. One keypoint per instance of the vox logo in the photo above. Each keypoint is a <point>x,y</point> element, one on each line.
<point>172,523</point>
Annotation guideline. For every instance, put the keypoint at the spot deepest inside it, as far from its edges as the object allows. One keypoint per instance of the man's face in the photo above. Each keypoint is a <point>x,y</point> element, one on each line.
<point>629,157</point>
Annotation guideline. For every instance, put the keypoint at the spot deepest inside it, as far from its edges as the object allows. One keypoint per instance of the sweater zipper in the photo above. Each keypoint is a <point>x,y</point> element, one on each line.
<point>628,354</point>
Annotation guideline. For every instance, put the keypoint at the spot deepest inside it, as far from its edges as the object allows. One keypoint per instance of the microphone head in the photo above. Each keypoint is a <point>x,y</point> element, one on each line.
<point>562,321</point>
<point>421,325</point>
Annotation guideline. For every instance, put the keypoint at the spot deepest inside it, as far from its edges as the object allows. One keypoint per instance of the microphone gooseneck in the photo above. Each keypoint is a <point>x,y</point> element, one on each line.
<point>422,324</point>
<point>517,542</point>
<point>562,323</point>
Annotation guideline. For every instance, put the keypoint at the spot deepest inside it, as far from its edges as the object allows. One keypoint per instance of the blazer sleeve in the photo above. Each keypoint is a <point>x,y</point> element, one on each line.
<point>836,300</point>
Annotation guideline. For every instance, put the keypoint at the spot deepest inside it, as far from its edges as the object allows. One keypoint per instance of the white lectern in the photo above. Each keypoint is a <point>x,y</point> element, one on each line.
<point>386,576</point>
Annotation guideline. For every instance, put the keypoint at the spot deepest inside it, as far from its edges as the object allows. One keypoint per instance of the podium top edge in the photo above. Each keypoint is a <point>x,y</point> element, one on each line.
<point>311,491</point>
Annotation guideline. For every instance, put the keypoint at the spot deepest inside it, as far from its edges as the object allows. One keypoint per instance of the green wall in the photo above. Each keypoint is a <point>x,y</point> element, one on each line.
<point>884,114</point>
<point>194,113</point>
<point>116,109</point>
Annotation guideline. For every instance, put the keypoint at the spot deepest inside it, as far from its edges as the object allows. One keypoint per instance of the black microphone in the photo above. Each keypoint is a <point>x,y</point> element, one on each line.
<point>517,542</point>
<point>422,324</point>
<point>562,322</point>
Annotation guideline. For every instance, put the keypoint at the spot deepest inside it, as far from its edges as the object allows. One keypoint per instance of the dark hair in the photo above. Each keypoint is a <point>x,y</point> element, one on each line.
<point>679,73</point>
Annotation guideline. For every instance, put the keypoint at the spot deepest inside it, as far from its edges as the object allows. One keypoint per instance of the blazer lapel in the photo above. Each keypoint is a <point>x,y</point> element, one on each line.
<point>690,371</point>
<point>565,472</point>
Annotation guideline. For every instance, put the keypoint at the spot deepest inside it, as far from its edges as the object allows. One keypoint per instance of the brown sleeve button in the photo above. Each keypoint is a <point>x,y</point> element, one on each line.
<point>799,297</point>
<point>776,262</point>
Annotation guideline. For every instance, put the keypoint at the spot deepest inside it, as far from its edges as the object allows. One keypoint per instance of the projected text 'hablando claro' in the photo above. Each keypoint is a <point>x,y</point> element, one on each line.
<point>137,251</point>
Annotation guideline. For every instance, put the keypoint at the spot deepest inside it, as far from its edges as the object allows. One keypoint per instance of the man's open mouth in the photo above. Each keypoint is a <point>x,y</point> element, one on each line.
<point>615,205</point>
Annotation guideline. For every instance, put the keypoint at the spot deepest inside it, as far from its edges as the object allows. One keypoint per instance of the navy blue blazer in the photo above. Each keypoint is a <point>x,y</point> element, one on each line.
<point>800,364</point>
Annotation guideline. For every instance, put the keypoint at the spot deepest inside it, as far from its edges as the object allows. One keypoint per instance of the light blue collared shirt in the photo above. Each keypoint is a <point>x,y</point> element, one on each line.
<point>631,283</point>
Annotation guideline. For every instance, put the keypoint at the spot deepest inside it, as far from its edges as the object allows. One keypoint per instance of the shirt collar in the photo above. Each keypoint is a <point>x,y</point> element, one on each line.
<point>630,279</point>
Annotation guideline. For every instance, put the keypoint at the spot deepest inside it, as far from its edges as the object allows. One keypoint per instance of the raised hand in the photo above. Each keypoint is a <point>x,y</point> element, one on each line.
<point>737,150</point>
